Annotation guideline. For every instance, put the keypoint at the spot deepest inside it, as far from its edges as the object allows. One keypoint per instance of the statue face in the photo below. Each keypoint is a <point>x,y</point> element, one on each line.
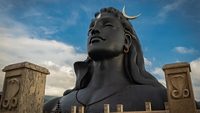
<point>105,37</point>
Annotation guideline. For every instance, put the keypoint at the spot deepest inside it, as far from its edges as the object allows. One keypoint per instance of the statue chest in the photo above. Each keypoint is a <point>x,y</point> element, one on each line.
<point>133,99</point>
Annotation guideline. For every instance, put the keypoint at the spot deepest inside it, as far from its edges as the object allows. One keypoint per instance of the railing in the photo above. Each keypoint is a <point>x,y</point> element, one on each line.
<point>119,109</point>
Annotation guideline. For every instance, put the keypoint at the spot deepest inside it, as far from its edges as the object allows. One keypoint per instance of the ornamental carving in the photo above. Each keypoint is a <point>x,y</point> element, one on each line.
<point>10,100</point>
<point>179,86</point>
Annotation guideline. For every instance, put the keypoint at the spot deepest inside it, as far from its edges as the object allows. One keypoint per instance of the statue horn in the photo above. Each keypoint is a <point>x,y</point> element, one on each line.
<point>129,17</point>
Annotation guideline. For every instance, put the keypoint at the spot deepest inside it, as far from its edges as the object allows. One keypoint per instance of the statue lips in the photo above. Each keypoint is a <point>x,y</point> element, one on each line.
<point>96,39</point>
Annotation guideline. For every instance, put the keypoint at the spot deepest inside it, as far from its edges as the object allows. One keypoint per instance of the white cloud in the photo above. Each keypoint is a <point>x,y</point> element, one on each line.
<point>195,75</point>
<point>164,12</point>
<point>159,74</point>
<point>184,50</point>
<point>195,64</point>
<point>32,12</point>
<point>72,19</point>
<point>48,31</point>
<point>12,28</point>
<point>55,56</point>
<point>147,62</point>
<point>87,10</point>
<point>158,71</point>
<point>155,71</point>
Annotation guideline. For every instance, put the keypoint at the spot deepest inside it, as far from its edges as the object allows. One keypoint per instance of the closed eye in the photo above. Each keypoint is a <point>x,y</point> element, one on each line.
<point>109,24</point>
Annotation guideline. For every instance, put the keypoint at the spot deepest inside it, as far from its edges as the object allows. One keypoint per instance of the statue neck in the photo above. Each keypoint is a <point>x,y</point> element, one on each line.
<point>109,73</point>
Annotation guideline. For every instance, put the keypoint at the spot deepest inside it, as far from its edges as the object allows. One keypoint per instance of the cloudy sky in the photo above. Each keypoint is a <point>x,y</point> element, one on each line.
<point>53,33</point>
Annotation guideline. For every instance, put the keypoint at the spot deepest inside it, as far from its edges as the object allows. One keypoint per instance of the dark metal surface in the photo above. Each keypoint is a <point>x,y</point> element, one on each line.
<point>114,71</point>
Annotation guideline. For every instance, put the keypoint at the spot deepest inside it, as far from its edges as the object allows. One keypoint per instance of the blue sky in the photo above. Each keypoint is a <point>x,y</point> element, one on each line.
<point>53,33</point>
<point>163,25</point>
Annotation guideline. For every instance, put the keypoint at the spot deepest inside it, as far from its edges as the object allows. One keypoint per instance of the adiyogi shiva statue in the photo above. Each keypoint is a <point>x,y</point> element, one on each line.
<point>113,72</point>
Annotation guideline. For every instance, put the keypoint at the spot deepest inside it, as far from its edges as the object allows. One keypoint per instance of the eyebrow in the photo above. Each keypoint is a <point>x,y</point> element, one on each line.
<point>106,19</point>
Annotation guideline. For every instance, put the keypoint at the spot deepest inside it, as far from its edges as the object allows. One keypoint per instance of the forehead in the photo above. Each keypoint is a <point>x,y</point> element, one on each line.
<point>106,17</point>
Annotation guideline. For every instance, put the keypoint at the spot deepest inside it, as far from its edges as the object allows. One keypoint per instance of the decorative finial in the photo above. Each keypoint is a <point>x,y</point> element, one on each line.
<point>128,17</point>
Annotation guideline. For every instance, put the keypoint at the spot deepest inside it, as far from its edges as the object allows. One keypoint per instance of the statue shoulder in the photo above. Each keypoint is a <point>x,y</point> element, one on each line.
<point>146,88</point>
<point>147,91</point>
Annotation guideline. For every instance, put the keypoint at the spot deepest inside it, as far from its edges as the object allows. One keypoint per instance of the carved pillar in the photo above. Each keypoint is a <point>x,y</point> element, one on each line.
<point>24,88</point>
<point>179,86</point>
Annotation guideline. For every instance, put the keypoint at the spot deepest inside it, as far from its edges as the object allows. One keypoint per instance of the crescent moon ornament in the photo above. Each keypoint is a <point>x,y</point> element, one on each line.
<point>129,17</point>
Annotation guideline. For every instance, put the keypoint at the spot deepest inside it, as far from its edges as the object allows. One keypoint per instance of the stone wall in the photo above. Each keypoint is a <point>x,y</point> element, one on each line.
<point>24,88</point>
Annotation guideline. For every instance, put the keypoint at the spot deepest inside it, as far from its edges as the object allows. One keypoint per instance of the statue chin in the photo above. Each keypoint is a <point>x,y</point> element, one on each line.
<point>99,55</point>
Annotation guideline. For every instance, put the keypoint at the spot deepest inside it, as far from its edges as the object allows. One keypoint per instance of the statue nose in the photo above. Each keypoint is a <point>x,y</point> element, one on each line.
<point>95,31</point>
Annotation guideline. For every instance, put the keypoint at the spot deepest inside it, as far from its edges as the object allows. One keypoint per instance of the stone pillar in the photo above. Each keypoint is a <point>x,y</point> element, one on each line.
<point>179,86</point>
<point>24,88</point>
